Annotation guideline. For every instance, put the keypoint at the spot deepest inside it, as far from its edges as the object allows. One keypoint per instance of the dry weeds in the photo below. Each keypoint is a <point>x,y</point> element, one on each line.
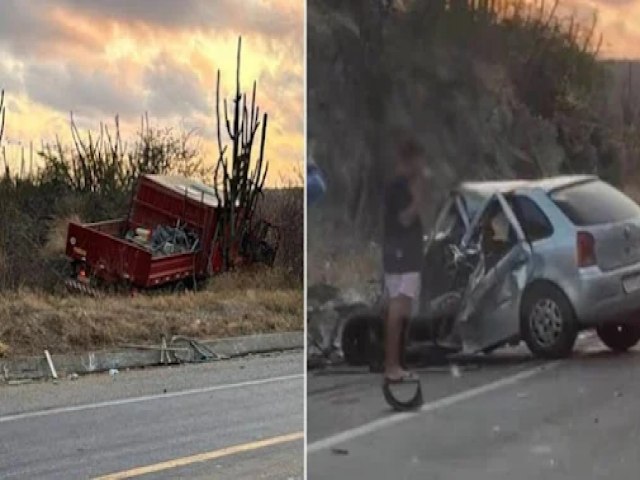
<point>260,301</point>
<point>57,234</point>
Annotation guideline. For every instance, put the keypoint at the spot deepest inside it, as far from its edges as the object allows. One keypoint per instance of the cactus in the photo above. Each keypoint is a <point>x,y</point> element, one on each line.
<point>238,187</point>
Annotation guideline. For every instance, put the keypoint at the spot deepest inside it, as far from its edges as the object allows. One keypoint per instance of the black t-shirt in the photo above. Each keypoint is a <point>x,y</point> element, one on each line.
<point>402,250</point>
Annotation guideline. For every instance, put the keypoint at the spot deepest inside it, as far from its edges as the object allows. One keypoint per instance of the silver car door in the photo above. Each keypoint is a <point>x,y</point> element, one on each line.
<point>489,316</point>
<point>448,228</point>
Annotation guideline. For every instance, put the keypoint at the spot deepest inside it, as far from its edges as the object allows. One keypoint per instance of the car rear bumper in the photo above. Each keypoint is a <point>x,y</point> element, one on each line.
<point>601,297</point>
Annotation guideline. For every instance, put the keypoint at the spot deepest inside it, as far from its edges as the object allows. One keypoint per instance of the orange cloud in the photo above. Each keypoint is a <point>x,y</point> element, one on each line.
<point>121,57</point>
<point>618,21</point>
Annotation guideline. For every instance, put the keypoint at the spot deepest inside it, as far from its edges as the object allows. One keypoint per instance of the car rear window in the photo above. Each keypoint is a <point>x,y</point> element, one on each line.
<point>595,203</point>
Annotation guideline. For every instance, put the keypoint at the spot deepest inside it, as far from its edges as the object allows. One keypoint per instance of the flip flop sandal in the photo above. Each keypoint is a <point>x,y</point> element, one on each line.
<point>413,403</point>
<point>407,377</point>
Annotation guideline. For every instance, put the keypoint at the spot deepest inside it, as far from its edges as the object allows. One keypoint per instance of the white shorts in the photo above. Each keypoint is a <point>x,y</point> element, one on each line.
<point>407,284</point>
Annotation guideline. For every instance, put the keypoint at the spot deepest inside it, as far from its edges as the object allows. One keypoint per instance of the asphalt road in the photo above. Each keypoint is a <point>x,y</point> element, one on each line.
<point>237,419</point>
<point>506,417</point>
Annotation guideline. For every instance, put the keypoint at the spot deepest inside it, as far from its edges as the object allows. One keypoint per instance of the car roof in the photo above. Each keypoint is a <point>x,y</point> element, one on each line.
<point>549,184</point>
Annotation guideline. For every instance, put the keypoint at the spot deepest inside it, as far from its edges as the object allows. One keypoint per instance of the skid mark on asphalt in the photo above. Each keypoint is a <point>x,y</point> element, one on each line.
<point>394,419</point>
<point>203,457</point>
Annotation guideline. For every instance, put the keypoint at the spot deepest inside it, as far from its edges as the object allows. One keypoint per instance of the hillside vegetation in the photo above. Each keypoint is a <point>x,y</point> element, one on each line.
<point>491,89</point>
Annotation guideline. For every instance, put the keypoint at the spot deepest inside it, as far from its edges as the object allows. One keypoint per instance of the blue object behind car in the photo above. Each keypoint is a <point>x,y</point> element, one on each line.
<point>316,186</point>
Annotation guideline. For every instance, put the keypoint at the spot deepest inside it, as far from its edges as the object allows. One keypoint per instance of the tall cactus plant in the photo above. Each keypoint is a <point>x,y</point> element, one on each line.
<point>2,114</point>
<point>2,118</point>
<point>238,183</point>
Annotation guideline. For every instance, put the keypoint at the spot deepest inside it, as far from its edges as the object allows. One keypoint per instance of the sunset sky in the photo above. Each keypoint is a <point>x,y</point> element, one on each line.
<point>101,58</point>
<point>617,20</point>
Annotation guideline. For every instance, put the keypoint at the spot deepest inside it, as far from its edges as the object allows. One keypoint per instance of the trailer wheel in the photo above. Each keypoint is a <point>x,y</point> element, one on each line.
<point>180,287</point>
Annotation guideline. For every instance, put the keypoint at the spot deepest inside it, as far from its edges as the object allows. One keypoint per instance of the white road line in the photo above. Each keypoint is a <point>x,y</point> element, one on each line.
<point>394,419</point>
<point>145,398</point>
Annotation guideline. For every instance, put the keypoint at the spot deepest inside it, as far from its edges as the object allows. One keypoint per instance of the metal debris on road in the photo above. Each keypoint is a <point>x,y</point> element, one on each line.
<point>52,368</point>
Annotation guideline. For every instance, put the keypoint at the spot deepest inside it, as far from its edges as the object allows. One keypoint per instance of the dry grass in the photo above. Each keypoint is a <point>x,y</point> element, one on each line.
<point>245,303</point>
<point>57,235</point>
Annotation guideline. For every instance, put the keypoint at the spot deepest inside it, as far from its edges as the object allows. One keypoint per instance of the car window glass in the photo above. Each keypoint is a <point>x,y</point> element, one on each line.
<point>493,225</point>
<point>595,203</point>
<point>534,223</point>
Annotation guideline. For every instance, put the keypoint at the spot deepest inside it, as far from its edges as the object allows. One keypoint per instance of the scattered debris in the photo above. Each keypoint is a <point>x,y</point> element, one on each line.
<point>164,239</point>
<point>340,451</point>
<point>52,368</point>
<point>20,382</point>
<point>195,350</point>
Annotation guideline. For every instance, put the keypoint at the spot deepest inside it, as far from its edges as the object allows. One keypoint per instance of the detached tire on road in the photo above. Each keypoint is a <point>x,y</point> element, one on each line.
<point>547,322</point>
<point>619,337</point>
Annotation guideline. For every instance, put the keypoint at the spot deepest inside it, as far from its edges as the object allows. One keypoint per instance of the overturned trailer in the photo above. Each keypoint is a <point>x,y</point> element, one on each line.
<point>510,261</point>
<point>169,239</point>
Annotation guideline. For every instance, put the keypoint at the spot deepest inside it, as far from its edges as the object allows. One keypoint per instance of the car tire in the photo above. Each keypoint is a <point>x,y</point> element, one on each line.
<point>619,337</point>
<point>547,322</point>
<point>355,340</point>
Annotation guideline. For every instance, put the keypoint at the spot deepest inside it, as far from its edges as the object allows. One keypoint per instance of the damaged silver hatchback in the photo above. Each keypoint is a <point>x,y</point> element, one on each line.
<point>533,261</point>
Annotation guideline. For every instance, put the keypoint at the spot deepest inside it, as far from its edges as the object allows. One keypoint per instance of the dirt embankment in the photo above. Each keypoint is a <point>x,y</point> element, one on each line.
<point>260,301</point>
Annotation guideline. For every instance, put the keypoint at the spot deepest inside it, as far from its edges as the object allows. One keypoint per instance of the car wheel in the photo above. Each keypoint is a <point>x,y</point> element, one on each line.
<point>547,322</point>
<point>355,340</point>
<point>619,337</point>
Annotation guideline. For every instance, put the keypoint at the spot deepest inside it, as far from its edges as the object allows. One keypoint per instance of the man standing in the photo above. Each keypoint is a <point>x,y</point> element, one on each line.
<point>402,252</point>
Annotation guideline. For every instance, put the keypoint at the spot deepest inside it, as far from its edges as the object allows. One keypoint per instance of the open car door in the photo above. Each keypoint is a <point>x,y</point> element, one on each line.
<point>490,316</point>
<point>437,275</point>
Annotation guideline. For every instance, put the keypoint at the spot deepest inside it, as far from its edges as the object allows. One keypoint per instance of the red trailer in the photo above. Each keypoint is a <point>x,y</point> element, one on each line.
<point>115,252</point>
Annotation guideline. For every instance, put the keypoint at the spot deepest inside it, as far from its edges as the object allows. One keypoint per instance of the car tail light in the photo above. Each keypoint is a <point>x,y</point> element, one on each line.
<point>586,249</point>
